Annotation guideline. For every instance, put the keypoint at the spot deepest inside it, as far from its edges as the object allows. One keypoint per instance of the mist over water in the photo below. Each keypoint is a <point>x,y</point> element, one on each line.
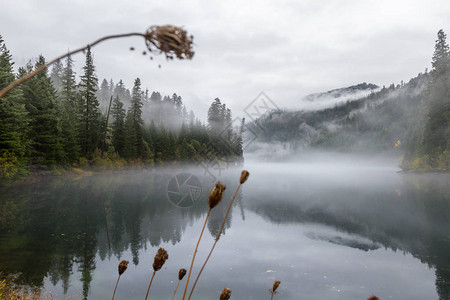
<point>328,226</point>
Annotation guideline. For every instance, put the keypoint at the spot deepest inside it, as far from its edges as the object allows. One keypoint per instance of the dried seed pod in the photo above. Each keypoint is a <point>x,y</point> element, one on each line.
<point>123,266</point>
<point>276,284</point>
<point>226,294</point>
<point>216,195</point>
<point>244,176</point>
<point>160,258</point>
<point>181,274</point>
<point>170,40</point>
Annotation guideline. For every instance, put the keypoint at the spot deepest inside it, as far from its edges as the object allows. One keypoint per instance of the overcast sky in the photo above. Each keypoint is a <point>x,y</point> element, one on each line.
<point>287,49</point>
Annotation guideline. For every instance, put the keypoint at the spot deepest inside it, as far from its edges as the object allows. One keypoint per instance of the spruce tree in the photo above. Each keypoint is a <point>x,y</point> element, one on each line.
<point>69,112</point>
<point>136,113</point>
<point>118,126</point>
<point>90,125</point>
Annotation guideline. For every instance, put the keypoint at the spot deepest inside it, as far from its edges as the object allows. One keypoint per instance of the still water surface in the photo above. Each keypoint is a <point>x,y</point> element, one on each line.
<point>325,232</point>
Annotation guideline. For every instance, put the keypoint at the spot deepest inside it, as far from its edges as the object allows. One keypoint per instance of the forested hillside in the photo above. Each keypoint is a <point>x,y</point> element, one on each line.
<point>372,123</point>
<point>410,120</point>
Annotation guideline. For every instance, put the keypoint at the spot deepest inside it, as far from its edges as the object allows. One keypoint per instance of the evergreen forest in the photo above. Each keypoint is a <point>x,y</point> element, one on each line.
<point>54,121</point>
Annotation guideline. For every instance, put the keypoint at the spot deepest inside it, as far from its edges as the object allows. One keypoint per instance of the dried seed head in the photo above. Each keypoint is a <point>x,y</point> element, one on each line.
<point>181,274</point>
<point>123,266</point>
<point>244,176</point>
<point>226,294</point>
<point>216,195</point>
<point>373,297</point>
<point>170,40</point>
<point>276,284</point>
<point>160,258</point>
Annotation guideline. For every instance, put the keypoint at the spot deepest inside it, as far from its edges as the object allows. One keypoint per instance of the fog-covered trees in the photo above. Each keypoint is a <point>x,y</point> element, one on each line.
<point>430,145</point>
<point>55,120</point>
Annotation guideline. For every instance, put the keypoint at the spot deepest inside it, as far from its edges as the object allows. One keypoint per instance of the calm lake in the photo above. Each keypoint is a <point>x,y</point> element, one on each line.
<point>326,231</point>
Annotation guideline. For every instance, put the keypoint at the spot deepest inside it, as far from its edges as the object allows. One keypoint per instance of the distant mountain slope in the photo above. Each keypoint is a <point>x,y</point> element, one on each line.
<point>342,92</point>
<point>371,123</point>
<point>337,96</point>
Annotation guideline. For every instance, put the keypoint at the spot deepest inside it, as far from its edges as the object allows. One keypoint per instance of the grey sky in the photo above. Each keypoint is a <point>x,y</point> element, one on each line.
<point>287,49</point>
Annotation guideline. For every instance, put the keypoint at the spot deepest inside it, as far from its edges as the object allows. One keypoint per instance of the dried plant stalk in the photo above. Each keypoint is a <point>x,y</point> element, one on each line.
<point>121,269</point>
<point>195,252</point>
<point>170,40</point>
<point>215,196</point>
<point>159,260</point>
<point>181,274</point>
<point>150,284</point>
<point>244,176</point>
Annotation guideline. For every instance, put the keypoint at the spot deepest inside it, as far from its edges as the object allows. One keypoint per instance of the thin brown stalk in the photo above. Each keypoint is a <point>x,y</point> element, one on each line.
<point>181,275</point>
<point>195,252</point>
<point>150,284</point>
<point>117,282</point>
<point>215,242</point>
<point>175,292</point>
<point>121,268</point>
<point>44,66</point>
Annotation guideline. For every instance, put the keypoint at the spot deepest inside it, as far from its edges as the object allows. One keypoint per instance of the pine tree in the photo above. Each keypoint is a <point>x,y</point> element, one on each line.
<point>45,128</point>
<point>90,129</point>
<point>440,60</point>
<point>136,112</point>
<point>118,126</point>
<point>13,116</point>
<point>70,113</point>
<point>436,134</point>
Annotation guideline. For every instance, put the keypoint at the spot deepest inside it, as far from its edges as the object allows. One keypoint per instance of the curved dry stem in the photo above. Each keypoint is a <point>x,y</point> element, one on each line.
<point>215,242</point>
<point>150,284</point>
<point>117,282</point>
<point>195,252</point>
<point>30,75</point>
